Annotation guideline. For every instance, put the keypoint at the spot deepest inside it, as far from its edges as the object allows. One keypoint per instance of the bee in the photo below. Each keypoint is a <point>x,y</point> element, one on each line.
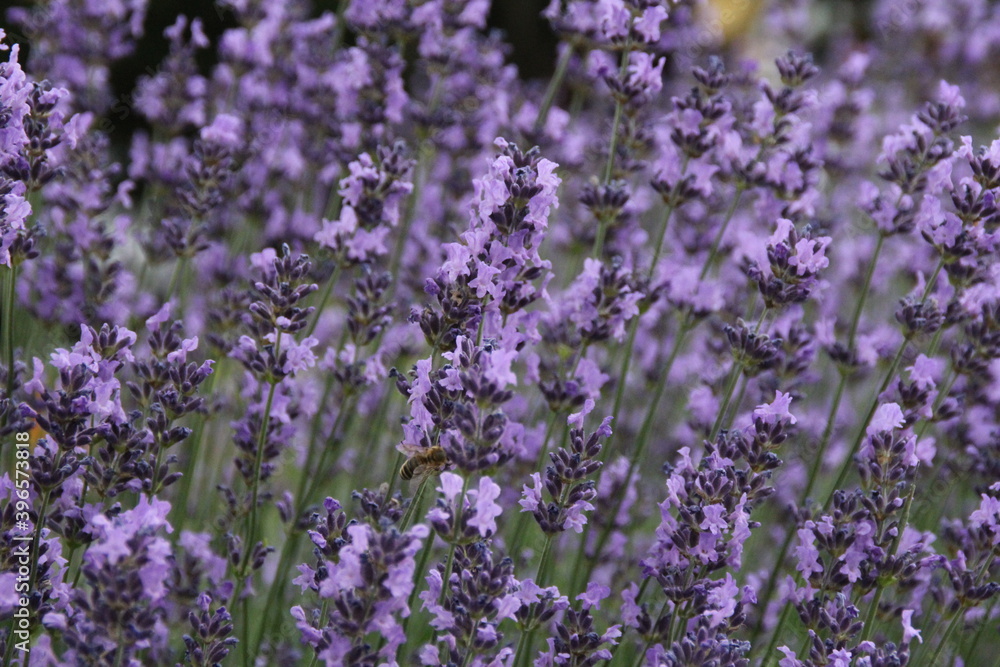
<point>423,461</point>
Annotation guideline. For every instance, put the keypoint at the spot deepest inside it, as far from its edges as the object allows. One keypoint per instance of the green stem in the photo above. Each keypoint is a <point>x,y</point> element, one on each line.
<point>621,640</point>
<point>734,407</point>
<point>411,511</point>
<point>425,556</point>
<point>539,580</point>
<point>820,454</point>
<point>248,543</point>
<point>555,83</point>
<point>317,475</point>
<point>772,581</point>
<point>8,327</point>
<point>668,211</point>
<point>845,468</point>
<point>776,635</point>
<point>469,653</point>
<point>602,231</point>
<point>609,167</point>
<point>255,486</point>
<point>293,535</point>
<point>865,288</point>
<point>8,653</point>
<point>544,448</point>
<point>324,610</point>
<point>338,27</point>
<point>734,376</point>
<point>717,242</point>
<point>683,616</point>
<point>175,278</point>
<point>522,646</point>
<point>120,653</point>
<point>454,542</point>
<point>524,518</point>
<point>327,291</point>
<point>848,462</point>
<point>880,588</point>
<point>634,328</point>
<point>186,481</point>
<point>644,433</point>
<point>79,566</point>
<point>419,176</point>
<point>979,633</point>
<point>824,442</point>
<point>947,635</point>
<point>641,655</point>
<point>623,372</point>
<point>276,592</point>
<point>393,476</point>
<point>869,626</point>
<point>315,445</point>
<point>543,562</point>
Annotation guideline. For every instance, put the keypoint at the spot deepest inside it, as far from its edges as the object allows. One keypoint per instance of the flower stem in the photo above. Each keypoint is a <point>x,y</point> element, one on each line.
<point>327,291</point>
<point>983,624</point>
<point>293,535</point>
<point>668,211</point>
<point>425,555</point>
<point>820,454</point>
<point>543,562</point>
<point>849,460</point>
<point>772,581</point>
<point>947,635</point>
<point>175,278</point>
<point>454,541</point>
<point>609,167</point>
<point>525,650</point>
<point>734,376</point>
<point>555,83</point>
<point>870,618</point>
<point>717,242</point>
<point>522,646</point>
<point>634,328</point>
<point>315,445</point>
<point>344,419</point>
<point>8,328</point>
<point>846,466</point>
<point>524,518</point>
<point>324,611</point>
<point>186,481</point>
<point>255,486</point>
<point>425,157</point>
<point>602,231</point>
<point>623,372</point>
<point>865,289</point>
<point>411,511</point>
<point>869,626</point>
<point>644,433</point>
<point>776,635</point>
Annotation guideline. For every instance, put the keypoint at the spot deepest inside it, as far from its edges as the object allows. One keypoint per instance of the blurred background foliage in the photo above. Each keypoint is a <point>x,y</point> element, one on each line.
<point>735,26</point>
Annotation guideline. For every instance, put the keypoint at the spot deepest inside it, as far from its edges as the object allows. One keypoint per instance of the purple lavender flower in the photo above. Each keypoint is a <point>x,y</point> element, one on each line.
<point>364,578</point>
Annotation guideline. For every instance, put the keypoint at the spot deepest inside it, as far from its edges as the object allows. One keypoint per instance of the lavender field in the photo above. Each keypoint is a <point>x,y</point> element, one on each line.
<point>367,348</point>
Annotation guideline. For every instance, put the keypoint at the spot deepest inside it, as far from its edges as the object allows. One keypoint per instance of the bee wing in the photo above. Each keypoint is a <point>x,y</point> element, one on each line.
<point>425,470</point>
<point>410,450</point>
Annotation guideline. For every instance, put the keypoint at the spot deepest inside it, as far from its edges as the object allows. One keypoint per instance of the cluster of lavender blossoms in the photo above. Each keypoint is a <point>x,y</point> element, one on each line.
<point>365,349</point>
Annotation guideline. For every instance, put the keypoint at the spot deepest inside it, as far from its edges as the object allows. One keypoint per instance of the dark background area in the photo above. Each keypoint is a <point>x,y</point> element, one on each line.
<point>532,40</point>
